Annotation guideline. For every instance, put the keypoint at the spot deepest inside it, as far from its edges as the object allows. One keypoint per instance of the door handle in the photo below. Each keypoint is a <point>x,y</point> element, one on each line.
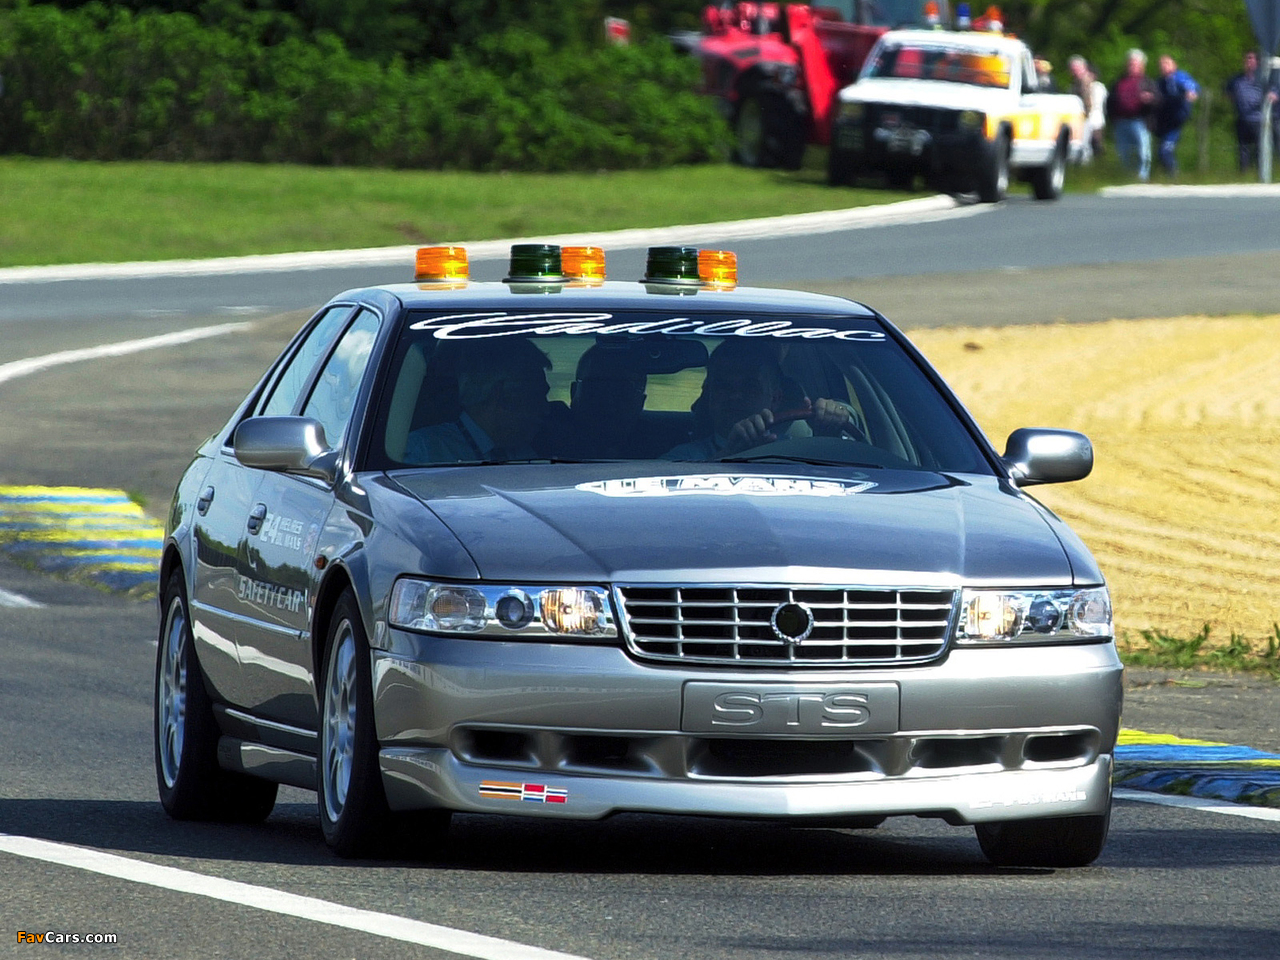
<point>256,517</point>
<point>206,498</point>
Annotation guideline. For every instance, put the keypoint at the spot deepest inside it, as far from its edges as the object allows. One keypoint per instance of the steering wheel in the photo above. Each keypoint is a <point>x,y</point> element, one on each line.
<point>784,418</point>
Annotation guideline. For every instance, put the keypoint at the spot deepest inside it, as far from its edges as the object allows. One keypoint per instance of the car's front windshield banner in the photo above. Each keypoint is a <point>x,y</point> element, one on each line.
<point>472,326</point>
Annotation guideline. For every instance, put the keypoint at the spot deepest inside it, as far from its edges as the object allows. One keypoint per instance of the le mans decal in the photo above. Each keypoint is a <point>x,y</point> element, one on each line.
<point>726,485</point>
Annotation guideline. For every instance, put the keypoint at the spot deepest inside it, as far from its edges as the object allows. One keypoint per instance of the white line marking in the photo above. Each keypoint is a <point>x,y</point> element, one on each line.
<point>21,368</point>
<point>1196,803</point>
<point>276,901</point>
<point>1193,190</point>
<point>919,210</point>
<point>8,599</point>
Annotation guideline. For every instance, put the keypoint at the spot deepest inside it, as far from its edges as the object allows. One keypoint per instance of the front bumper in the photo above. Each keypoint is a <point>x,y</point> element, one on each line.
<point>930,151</point>
<point>584,732</point>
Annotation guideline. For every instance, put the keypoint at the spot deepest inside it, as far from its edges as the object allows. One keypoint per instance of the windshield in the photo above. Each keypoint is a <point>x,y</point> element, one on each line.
<point>569,386</point>
<point>918,61</point>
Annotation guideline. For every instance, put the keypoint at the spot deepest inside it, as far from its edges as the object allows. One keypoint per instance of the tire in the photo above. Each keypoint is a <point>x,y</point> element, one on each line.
<point>1049,842</point>
<point>900,178</point>
<point>842,168</point>
<point>353,807</point>
<point>768,132</point>
<point>993,181</point>
<point>1047,181</point>
<point>191,784</point>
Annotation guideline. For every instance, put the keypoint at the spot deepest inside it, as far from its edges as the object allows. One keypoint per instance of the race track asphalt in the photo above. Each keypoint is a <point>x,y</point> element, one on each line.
<point>1206,735</point>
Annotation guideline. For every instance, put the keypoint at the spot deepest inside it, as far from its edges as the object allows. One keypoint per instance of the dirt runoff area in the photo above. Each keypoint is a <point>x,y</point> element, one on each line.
<point>1182,509</point>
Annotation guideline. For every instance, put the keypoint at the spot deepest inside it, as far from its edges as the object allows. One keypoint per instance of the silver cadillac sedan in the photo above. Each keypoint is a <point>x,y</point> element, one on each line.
<point>564,547</point>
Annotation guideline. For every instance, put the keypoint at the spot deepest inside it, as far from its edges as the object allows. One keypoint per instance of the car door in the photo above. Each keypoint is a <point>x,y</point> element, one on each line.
<point>225,588</point>
<point>285,523</point>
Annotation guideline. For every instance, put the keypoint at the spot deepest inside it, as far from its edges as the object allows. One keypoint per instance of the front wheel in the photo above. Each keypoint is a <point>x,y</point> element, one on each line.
<point>842,168</point>
<point>191,784</point>
<point>354,814</point>
<point>1047,181</point>
<point>993,181</point>
<point>1047,842</point>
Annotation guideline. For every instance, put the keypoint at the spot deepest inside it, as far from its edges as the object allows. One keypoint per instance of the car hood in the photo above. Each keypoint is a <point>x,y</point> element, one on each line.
<point>670,522</point>
<point>925,93</point>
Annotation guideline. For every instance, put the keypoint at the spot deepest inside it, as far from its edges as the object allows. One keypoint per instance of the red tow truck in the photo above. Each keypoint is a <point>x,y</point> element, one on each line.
<point>776,67</point>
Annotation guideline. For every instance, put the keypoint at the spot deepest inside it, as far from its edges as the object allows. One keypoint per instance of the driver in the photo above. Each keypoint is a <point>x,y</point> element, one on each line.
<point>742,403</point>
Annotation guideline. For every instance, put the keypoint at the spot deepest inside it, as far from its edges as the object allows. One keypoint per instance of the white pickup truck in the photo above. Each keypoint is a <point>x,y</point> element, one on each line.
<point>964,109</point>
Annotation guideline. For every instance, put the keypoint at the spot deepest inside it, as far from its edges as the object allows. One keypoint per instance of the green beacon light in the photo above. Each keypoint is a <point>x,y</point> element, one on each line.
<point>676,265</point>
<point>535,263</point>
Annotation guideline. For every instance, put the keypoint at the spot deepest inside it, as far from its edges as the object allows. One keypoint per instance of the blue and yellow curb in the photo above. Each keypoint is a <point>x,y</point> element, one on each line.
<point>94,536</point>
<point>1206,769</point>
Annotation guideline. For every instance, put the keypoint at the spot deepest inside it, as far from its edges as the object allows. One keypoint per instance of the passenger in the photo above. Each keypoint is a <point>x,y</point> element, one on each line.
<point>742,404</point>
<point>502,392</point>
<point>606,401</point>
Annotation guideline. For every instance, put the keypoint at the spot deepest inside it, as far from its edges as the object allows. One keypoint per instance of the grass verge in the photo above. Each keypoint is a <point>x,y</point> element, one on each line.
<point>60,211</point>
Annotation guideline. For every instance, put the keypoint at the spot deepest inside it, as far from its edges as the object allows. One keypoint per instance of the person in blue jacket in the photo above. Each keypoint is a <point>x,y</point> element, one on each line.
<point>1248,97</point>
<point>1177,93</point>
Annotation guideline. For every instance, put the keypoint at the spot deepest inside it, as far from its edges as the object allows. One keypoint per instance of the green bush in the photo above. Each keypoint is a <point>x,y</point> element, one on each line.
<point>105,83</point>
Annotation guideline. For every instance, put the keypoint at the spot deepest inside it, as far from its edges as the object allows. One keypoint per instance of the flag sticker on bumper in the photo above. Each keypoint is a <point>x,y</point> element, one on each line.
<point>533,792</point>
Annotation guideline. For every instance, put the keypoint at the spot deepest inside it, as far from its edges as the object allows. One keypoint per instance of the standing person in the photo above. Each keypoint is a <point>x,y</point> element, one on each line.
<point>1132,103</point>
<point>1093,94</point>
<point>1245,91</point>
<point>1177,93</point>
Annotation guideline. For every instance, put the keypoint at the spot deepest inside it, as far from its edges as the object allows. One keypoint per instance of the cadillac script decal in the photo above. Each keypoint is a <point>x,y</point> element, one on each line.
<point>489,324</point>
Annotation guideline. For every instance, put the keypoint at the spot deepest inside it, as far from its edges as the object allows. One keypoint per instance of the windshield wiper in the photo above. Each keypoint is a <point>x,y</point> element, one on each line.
<point>813,461</point>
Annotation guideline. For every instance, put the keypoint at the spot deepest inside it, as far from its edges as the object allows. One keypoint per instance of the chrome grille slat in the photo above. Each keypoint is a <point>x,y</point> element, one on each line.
<point>853,626</point>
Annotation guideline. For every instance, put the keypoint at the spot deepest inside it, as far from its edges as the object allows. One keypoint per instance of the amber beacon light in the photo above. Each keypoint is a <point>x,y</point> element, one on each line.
<point>583,263</point>
<point>448,264</point>
<point>718,268</point>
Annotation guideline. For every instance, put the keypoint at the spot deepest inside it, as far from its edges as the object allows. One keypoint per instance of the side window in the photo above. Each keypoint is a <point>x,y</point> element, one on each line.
<point>1030,80</point>
<point>297,372</point>
<point>334,395</point>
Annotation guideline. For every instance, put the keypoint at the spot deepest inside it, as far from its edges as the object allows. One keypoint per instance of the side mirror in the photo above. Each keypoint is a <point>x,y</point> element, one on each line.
<point>285,445</point>
<point>1041,455</point>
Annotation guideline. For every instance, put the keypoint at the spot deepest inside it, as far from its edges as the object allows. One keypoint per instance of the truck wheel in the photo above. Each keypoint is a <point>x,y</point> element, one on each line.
<point>768,132</point>
<point>1047,181</point>
<point>1047,842</point>
<point>900,178</point>
<point>842,168</point>
<point>993,181</point>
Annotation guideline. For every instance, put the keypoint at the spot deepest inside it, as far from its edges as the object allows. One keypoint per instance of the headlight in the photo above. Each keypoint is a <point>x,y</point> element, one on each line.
<point>1034,616</point>
<point>502,610</point>
<point>851,111</point>
<point>971,120</point>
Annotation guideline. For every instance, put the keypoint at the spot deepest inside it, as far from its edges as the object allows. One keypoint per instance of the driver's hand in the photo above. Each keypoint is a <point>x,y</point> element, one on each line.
<point>830,417</point>
<point>751,432</point>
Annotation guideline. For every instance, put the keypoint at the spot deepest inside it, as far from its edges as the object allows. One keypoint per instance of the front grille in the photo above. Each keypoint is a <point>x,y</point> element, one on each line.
<point>733,625</point>
<point>933,119</point>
